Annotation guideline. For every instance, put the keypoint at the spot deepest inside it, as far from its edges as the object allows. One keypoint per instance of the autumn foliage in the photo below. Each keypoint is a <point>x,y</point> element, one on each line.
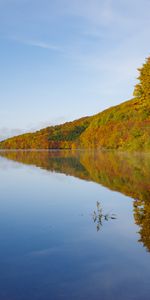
<point>124,127</point>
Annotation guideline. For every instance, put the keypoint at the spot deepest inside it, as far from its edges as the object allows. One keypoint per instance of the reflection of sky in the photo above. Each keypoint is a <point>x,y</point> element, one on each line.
<point>63,59</point>
<point>48,238</point>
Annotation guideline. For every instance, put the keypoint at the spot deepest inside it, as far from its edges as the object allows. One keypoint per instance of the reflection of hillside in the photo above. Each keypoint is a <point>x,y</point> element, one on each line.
<point>125,173</point>
<point>55,161</point>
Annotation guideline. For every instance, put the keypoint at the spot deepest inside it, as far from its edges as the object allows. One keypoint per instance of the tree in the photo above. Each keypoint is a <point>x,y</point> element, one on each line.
<point>142,89</point>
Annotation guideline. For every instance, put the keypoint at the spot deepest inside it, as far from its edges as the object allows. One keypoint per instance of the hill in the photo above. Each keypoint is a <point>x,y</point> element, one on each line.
<point>123,127</point>
<point>53,137</point>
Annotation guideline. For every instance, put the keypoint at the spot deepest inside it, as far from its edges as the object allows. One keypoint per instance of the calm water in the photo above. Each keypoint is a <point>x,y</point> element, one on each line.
<point>74,225</point>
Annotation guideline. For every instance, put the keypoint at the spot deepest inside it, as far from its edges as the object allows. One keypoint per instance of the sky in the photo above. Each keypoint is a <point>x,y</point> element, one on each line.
<point>64,59</point>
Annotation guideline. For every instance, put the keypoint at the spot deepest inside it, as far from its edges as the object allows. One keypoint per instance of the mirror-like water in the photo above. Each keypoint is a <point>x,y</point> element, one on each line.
<point>74,225</point>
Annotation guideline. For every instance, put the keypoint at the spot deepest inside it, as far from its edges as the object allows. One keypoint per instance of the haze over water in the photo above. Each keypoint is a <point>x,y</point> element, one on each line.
<point>74,225</point>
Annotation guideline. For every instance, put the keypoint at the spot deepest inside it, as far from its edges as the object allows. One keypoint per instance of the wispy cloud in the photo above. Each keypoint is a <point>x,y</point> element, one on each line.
<point>7,132</point>
<point>99,43</point>
<point>43,45</point>
<point>37,43</point>
<point>94,11</point>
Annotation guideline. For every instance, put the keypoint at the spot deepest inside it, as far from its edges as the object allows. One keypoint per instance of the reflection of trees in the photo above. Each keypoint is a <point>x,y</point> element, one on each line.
<point>142,219</point>
<point>60,161</point>
<point>122,172</point>
<point>99,217</point>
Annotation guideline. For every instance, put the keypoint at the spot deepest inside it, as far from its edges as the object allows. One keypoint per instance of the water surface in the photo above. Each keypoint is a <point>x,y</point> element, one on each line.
<point>74,225</point>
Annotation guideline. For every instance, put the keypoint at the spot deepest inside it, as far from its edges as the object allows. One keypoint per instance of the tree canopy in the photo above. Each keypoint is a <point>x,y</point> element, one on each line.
<point>142,89</point>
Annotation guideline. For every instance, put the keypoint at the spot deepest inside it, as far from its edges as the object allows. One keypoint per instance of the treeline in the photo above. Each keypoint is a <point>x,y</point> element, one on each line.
<point>63,136</point>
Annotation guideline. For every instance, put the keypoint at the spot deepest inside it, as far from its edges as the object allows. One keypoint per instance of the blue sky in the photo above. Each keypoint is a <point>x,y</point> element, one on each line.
<point>63,59</point>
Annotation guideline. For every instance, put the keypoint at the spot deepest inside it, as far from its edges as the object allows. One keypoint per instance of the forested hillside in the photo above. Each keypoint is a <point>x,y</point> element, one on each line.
<point>124,127</point>
<point>54,137</point>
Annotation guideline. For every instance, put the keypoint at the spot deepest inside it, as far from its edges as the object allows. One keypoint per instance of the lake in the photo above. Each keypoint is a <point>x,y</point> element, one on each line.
<point>74,225</point>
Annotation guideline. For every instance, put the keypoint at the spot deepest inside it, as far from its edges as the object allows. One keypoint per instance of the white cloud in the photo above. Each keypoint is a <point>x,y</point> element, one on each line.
<point>35,43</point>
<point>94,11</point>
<point>100,44</point>
<point>43,45</point>
<point>7,132</point>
